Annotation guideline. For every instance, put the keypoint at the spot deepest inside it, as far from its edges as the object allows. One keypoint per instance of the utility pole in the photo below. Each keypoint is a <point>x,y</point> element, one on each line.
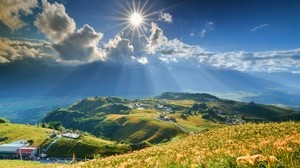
<point>20,153</point>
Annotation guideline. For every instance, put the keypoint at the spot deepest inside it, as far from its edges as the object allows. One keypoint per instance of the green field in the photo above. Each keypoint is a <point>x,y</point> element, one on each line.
<point>269,145</point>
<point>84,147</point>
<point>136,128</point>
<point>13,132</point>
<point>249,145</point>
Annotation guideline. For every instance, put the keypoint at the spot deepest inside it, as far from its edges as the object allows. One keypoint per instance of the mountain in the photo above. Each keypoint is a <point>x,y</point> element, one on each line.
<point>276,97</point>
<point>29,78</point>
<point>161,118</point>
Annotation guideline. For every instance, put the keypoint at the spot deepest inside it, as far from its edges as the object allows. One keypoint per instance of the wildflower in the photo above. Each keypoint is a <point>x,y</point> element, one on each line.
<point>245,160</point>
<point>258,158</point>
<point>272,160</point>
<point>250,159</point>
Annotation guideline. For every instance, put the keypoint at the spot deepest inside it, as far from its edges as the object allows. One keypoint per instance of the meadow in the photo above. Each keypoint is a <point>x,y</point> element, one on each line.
<point>250,145</point>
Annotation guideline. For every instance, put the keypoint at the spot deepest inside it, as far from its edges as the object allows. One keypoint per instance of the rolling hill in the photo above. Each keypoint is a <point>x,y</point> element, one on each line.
<point>161,118</point>
<point>249,145</point>
<point>84,147</point>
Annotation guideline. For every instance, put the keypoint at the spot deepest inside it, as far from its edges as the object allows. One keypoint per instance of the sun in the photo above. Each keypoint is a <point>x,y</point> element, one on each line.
<point>136,19</point>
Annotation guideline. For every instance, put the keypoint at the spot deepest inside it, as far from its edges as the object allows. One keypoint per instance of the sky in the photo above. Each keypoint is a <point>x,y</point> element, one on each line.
<point>237,35</point>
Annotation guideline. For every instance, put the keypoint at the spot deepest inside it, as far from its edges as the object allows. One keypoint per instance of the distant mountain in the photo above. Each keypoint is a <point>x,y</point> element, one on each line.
<point>188,96</point>
<point>132,81</point>
<point>276,97</point>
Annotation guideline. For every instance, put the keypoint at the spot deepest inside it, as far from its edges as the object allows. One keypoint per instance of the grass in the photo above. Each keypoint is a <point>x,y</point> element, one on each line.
<point>13,132</point>
<point>250,145</point>
<point>194,123</point>
<point>18,164</point>
<point>86,147</point>
<point>136,128</point>
<point>185,103</point>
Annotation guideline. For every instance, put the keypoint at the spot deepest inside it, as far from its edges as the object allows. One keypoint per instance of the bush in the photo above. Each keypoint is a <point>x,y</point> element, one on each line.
<point>4,120</point>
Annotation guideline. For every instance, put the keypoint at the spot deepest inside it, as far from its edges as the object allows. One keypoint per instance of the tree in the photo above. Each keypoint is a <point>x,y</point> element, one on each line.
<point>55,125</point>
<point>4,120</point>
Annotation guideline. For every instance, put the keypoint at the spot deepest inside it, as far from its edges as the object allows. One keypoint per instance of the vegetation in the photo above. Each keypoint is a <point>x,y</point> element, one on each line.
<point>249,145</point>
<point>13,132</point>
<point>142,120</point>
<point>136,129</point>
<point>84,147</point>
<point>4,120</point>
<point>19,163</point>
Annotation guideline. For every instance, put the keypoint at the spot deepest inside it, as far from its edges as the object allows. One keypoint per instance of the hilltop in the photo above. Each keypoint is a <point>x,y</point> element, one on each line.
<point>162,118</point>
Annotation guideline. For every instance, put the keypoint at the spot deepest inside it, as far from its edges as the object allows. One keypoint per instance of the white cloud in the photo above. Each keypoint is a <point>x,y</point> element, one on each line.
<point>119,50</point>
<point>175,51</point>
<point>141,60</point>
<point>12,10</point>
<point>72,45</point>
<point>203,33</point>
<point>210,26</point>
<point>269,61</point>
<point>156,38</point>
<point>81,45</point>
<point>170,50</point>
<point>12,50</point>
<point>54,22</point>
<point>166,17</point>
<point>259,27</point>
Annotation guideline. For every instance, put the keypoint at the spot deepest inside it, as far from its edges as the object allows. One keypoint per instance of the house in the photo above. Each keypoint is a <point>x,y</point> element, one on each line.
<point>28,151</point>
<point>71,135</point>
<point>17,149</point>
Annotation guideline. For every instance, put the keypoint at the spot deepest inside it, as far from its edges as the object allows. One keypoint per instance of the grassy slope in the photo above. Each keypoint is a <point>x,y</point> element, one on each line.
<point>85,146</point>
<point>13,132</point>
<point>218,148</point>
<point>141,127</point>
<point>95,115</point>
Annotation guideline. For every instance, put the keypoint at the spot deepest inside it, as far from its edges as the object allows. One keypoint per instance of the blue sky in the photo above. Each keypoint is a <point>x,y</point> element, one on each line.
<point>250,36</point>
<point>233,21</point>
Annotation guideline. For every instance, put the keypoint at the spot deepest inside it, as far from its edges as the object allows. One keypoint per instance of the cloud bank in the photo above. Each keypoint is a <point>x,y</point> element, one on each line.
<point>13,50</point>
<point>12,10</point>
<point>54,22</point>
<point>82,45</point>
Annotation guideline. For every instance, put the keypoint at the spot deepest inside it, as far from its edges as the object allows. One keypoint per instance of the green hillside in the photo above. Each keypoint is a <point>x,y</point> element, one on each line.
<point>137,129</point>
<point>249,145</point>
<point>14,132</point>
<point>84,146</point>
<point>161,118</point>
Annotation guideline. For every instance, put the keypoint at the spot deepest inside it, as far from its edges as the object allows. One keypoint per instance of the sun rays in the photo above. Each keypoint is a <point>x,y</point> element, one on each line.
<point>135,17</point>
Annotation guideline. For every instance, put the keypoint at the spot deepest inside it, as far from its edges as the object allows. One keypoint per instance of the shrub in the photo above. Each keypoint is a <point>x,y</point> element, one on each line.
<point>4,120</point>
